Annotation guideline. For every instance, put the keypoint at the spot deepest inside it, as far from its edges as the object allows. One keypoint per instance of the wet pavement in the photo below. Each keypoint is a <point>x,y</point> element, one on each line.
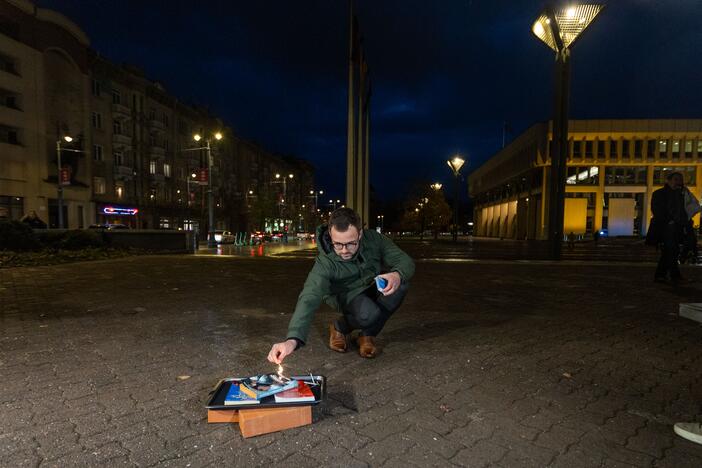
<point>261,250</point>
<point>109,363</point>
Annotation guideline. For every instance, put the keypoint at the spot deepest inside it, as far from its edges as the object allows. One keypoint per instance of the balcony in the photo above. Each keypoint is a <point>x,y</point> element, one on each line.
<point>121,140</point>
<point>157,124</point>
<point>157,178</point>
<point>157,152</point>
<point>121,111</point>
<point>123,172</point>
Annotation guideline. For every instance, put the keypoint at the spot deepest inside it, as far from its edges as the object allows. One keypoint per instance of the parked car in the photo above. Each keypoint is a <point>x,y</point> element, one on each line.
<point>223,237</point>
<point>304,235</point>
<point>276,236</point>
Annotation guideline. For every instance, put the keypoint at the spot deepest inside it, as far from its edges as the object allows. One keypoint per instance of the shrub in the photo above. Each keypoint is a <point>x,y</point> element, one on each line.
<point>81,239</point>
<point>51,239</point>
<point>17,236</point>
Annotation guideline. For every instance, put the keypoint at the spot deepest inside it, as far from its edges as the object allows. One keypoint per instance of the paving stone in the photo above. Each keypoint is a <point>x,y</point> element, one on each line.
<point>480,371</point>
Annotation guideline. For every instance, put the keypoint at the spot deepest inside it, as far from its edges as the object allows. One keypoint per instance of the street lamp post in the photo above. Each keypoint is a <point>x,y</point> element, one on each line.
<point>60,149</point>
<point>210,195</point>
<point>455,164</point>
<point>559,29</point>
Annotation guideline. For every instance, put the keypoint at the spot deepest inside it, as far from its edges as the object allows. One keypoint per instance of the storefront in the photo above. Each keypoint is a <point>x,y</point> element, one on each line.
<point>112,214</point>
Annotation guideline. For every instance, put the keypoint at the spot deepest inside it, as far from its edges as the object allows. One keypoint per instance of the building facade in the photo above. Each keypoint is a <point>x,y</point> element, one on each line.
<point>133,158</point>
<point>613,168</point>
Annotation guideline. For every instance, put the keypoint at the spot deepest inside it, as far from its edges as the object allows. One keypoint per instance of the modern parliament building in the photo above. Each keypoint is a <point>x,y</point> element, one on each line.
<point>613,168</point>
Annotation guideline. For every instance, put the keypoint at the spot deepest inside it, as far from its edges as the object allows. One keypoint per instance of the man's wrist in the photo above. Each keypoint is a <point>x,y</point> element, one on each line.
<point>296,341</point>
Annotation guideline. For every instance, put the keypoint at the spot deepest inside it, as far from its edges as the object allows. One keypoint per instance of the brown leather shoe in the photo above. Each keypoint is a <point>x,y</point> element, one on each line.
<point>337,341</point>
<point>366,346</point>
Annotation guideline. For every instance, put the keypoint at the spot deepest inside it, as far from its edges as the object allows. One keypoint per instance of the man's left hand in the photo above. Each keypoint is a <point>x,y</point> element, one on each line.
<point>394,280</point>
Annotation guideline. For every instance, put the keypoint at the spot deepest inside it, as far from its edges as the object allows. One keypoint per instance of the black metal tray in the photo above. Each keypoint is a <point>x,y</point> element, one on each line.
<point>216,400</point>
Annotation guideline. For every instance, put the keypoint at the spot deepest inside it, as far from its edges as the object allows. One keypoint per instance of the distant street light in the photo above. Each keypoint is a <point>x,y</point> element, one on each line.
<point>436,186</point>
<point>210,196</point>
<point>559,29</point>
<point>456,164</point>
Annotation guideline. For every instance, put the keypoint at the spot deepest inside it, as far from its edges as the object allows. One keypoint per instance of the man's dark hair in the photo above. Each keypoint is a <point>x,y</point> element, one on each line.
<point>673,174</point>
<point>342,218</point>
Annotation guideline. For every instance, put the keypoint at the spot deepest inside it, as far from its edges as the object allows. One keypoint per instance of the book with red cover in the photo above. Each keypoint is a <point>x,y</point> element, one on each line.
<point>301,393</point>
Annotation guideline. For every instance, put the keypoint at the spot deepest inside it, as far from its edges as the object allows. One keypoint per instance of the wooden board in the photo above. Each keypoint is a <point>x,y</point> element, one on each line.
<point>255,422</point>
<point>222,416</point>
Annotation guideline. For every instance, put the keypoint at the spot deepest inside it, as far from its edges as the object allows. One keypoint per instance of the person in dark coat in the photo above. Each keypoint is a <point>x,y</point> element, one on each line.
<point>667,226</point>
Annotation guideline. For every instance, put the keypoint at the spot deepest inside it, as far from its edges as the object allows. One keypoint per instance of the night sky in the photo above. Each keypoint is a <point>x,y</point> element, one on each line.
<point>446,74</point>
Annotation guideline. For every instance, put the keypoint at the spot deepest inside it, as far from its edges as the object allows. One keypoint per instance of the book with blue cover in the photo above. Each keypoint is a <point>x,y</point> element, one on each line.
<point>236,397</point>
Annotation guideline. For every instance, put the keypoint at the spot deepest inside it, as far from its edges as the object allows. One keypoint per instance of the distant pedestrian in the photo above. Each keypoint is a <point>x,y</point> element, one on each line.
<point>666,230</point>
<point>33,220</point>
<point>571,240</point>
<point>596,236</point>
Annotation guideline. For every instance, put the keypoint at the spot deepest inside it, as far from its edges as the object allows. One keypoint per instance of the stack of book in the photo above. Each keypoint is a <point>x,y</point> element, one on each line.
<point>252,390</point>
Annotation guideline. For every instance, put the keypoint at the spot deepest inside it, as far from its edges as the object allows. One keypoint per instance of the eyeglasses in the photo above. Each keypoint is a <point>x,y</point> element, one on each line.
<point>349,245</point>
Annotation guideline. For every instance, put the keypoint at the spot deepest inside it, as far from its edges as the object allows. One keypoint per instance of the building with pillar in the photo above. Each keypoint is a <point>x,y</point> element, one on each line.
<point>613,168</point>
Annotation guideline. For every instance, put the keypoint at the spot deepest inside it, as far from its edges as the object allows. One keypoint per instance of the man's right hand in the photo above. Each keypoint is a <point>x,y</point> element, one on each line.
<point>280,351</point>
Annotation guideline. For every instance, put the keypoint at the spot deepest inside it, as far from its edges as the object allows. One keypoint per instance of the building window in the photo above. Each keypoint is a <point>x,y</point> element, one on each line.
<point>152,139</point>
<point>116,97</point>
<point>583,175</point>
<point>676,149</point>
<point>660,173</point>
<point>9,99</point>
<point>688,148</point>
<point>599,149</point>
<point>119,189</point>
<point>117,127</point>
<point>97,120</point>
<point>9,135</point>
<point>97,153</point>
<point>166,169</point>
<point>13,206</point>
<point>621,175</point>
<point>699,148</point>
<point>152,114</point>
<point>663,148</point>
<point>119,158</point>
<point>98,185</point>
<point>181,173</point>
<point>152,166</point>
<point>96,88</point>
<point>588,148</point>
<point>577,149</point>
<point>613,151</point>
<point>9,64</point>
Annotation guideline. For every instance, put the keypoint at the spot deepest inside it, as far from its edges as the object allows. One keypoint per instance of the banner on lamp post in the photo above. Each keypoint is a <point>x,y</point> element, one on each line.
<point>65,175</point>
<point>203,176</point>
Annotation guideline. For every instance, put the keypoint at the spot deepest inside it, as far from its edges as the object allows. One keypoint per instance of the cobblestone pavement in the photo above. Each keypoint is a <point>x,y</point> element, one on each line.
<point>486,363</point>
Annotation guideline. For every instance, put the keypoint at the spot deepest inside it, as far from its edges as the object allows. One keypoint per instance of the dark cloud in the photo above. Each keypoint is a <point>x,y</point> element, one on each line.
<point>446,74</point>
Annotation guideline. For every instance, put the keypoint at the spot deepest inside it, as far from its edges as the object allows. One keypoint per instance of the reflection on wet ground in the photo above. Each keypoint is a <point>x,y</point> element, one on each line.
<point>260,250</point>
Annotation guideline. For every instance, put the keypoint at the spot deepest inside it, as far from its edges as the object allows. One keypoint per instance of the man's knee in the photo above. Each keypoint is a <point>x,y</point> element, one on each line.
<point>366,316</point>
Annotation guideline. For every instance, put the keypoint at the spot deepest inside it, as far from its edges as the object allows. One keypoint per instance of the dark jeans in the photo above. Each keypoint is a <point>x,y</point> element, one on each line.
<point>370,310</point>
<point>670,252</point>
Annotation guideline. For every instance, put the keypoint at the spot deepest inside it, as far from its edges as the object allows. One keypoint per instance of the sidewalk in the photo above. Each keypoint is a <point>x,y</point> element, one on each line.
<point>511,365</point>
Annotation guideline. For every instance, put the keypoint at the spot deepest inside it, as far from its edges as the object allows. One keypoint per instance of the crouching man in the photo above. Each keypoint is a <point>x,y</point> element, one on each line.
<point>349,259</point>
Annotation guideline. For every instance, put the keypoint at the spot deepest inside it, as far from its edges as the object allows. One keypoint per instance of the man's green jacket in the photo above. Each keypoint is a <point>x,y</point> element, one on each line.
<point>337,282</point>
